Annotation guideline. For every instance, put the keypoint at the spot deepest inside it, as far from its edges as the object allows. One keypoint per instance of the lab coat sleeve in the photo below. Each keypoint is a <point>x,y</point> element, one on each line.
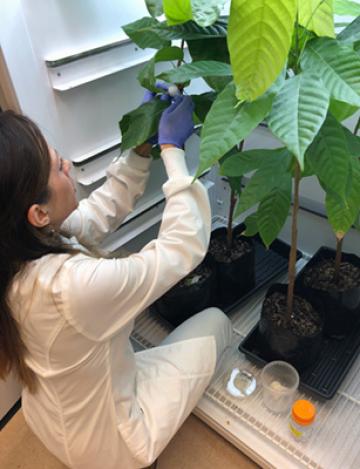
<point>100,296</point>
<point>104,210</point>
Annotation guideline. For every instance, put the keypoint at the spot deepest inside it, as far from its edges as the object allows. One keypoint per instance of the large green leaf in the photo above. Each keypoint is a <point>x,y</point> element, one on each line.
<point>346,7</point>
<point>353,143</point>
<point>267,178</point>
<point>274,210</point>
<point>227,125</point>
<point>339,68</point>
<point>342,216</point>
<point>298,112</point>
<point>154,7</point>
<point>203,12</point>
<point>251,225</point>
<point>139,125</point>
<point>351,33</point>
<point>148,32</point>
<point>177,11</point>
<point>317,16</point>
<point>250,160</point>
<point>191,30</point>
<point>329,156</point>
<point>341,110</point>
<point>203,68</point>
<point>146,76</point>
<point>259,39</point>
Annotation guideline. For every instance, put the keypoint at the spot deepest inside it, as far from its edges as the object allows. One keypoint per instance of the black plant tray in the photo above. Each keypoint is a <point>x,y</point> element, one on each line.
<point>324,377</point>
<point>269,264</point>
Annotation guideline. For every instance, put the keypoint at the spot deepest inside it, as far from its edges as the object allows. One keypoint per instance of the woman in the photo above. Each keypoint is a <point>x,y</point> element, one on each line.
<point>66,317</point>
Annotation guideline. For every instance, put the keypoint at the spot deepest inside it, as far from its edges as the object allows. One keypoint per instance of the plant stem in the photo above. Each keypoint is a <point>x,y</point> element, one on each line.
<point>339,242</point>
<point>293,249</point>
<point>182,48</point>
<point>233,200</point>
<point>229,231</point>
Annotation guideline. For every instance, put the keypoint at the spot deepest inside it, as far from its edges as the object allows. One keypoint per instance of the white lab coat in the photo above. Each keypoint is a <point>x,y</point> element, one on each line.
<point>99,405</point>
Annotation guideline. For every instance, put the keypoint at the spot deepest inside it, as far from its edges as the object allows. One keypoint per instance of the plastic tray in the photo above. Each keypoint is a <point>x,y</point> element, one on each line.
<point>325,376</point>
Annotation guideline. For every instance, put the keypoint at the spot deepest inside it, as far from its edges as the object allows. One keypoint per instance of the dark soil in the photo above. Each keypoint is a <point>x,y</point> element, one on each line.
<point>221,252</point>
<point>305,321</point>
<point>196,277</point>
<point>322,276</point>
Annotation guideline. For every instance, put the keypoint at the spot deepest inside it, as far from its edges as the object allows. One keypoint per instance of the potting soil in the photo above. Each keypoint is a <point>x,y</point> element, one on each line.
<point>221,252</point>
<point>322,276</point>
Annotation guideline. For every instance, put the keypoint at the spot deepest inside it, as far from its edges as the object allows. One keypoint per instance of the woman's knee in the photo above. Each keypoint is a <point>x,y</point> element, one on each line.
<point>221,325</point>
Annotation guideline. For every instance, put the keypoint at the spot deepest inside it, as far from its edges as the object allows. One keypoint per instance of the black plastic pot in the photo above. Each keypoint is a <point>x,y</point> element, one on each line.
<point>236,278</point>
<point>340,310</point>
<point>281,343</point>
<point>182,302</point>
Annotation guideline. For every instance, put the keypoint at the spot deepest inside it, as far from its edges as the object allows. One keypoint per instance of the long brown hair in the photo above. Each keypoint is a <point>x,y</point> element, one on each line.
<point>24,174</point>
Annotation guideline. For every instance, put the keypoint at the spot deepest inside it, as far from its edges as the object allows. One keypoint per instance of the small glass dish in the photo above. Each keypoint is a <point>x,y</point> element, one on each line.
<point>240,383</point>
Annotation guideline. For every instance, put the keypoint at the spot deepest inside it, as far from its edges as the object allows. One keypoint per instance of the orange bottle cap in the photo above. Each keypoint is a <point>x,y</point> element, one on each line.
<point>303,412</point>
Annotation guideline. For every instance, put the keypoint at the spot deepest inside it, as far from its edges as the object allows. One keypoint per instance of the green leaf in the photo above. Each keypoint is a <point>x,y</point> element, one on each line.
<point>339,68</point>
<point>251,225</point>
<point>346,7</point>
<point>177,11</point>
<point>329,156</point>
<point>142,123</point>
<point>298,112</point>
<point>235,184</point>
<point>259,39</point>
<point>203,103</point>
<point>353,142</point>
<point>206,12</point>
<point>227,125</point>
<point>192,70</point>
<point>342,217</point>
<point>154,7</point>
<point>241,163</point>
<point>147,32</point>
<point>317,16</point>
<point>351,33</point>
<point>340,110</point>
<point>146,76</point>
<point>274,210</point>
<point>203,12</point>
<point>191,30</point>
<point>267,178</point>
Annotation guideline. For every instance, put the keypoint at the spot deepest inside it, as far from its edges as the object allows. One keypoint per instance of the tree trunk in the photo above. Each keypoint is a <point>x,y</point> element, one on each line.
<point>339,242</point>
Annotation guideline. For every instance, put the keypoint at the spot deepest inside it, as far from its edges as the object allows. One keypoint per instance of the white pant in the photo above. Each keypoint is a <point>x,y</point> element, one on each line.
<point>209,322</point>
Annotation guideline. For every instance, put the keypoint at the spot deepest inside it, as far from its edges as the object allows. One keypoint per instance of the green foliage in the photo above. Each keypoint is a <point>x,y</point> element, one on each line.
<point>337,65</point>
<point>298,112</point>
<point>317,16</point>
<point>139,125</point>
<point>146,76</point>
<point>154,7</point>
<point>202,68</point>
<point>351,33</point>
<point>330,157</point>
<point>259,39</point>
<point>346,7</point>
<point>277,61</point>
<point>203,12</point>
<point>228,124</point>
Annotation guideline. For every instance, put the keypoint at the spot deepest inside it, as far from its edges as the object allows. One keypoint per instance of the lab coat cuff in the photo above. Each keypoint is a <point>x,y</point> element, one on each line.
<point>175,164</point>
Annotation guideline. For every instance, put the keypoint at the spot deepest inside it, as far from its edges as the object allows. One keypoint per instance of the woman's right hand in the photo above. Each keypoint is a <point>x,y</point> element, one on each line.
<point>176,123</point>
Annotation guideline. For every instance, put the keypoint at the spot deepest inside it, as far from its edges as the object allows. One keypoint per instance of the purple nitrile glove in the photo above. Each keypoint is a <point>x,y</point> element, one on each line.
<point>149,96</point>
<point>176,123</point>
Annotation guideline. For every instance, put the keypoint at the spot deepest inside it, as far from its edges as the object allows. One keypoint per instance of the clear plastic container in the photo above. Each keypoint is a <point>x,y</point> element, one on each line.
<point>280,381</point>
<point>301,420</point>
